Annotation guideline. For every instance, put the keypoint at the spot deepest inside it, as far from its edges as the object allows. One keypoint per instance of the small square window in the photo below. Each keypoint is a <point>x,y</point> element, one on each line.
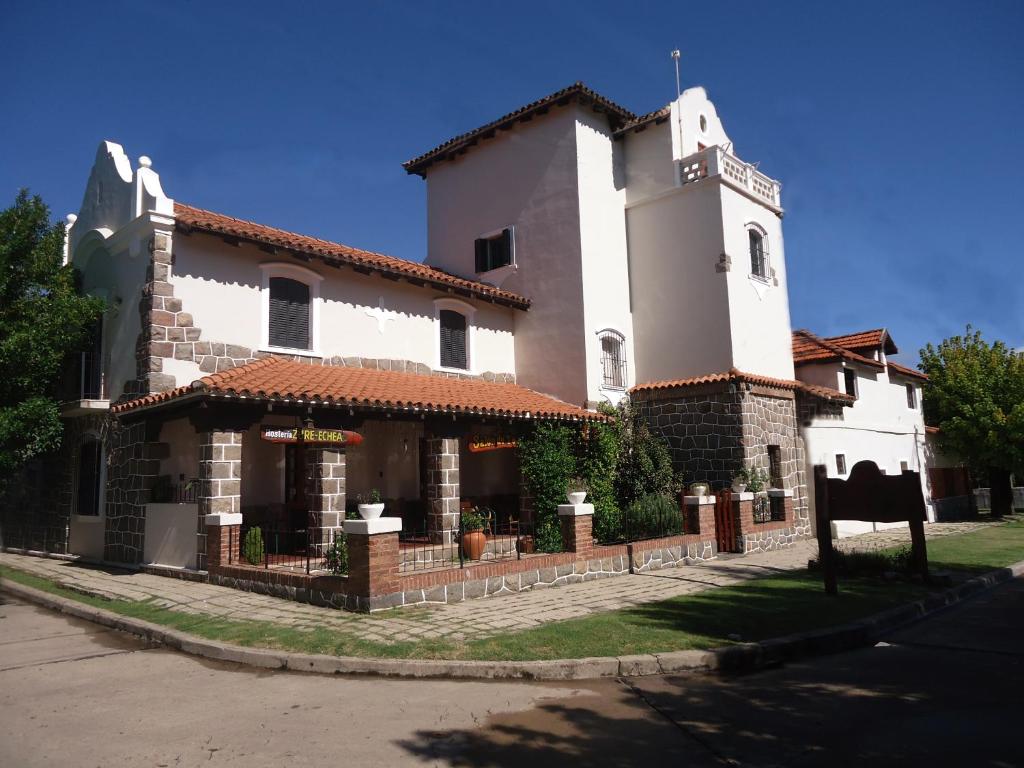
<point>911,397</point>
<point>841,463</point>
<point>850,381</point>
<point>494,251</point>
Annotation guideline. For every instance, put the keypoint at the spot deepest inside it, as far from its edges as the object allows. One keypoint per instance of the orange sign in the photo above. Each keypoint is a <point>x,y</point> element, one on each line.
<point>491,443</point>
<point>310,436</point>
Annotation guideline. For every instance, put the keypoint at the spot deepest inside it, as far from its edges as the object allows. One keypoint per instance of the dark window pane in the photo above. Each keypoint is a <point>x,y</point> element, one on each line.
<point>289,313</point>
<point>841,463</point>
<point>453,339</point>
<point>911,397</point>
<point>613,361</point>
<point>89,456</point>
<point>758,262</point>
<point>494,252</point>
<point>850,378</point>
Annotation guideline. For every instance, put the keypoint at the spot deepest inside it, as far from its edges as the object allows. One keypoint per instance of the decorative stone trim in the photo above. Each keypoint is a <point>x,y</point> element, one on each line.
<point>575,510</point>
<point>373,527</point>
<point>698,500</point>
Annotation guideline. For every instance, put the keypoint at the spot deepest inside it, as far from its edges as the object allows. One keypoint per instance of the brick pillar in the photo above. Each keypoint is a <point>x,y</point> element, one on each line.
<point>743,514</point>
<point>442,488</point>
<point>222,539</point>
<point>699,516</point>
<point>577,521</point>
<point>325,493</point>
<point>373,565</point>
<point>220,473</point>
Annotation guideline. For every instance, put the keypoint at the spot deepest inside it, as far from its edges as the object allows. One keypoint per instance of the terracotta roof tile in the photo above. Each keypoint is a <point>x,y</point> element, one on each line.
<point>872,339</point>
<point>810,348</point>
<point>462,142</point>
<point>912,372</point>
<point>735,375</point>
<point>279,379</point>
<point>189,218</point>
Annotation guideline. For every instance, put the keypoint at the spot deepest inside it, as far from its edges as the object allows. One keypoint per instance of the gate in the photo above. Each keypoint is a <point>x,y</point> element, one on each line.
<point>725,522</point>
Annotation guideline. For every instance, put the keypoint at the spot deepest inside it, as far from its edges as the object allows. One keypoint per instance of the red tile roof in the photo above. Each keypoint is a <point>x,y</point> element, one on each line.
<point>931,430</point>
<point>912,372</point>
<point>278,379</point>
<point>734,375</point>
<point>189,219</point>
<point>872,339</point>
<point>810,348</point>
<point>460,144</point>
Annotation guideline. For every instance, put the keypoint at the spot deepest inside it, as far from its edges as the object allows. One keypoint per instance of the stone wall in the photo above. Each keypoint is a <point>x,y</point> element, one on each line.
<point>220,481</point>
<point>133,464</point>
<point>714,430</point>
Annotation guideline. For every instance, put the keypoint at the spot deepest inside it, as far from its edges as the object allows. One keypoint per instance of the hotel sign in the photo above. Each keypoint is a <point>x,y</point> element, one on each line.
<point>491,443</point>
<point>310,436</point>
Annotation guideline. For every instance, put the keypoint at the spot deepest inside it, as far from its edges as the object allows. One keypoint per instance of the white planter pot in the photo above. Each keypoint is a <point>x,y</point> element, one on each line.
<point>739,487</point>
<point>698,489</point>
<point>576,497</point>
<point>370,511</point>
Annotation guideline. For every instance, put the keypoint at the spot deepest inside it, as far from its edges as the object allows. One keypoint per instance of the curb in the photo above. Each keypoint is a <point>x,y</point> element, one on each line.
<point>744,657</point>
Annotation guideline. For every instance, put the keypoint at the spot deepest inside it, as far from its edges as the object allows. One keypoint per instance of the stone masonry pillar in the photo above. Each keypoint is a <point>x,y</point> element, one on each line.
<point>373,566</point>
<point>577,521</point>
<point>220,479</point>
<point>442,489</point>
<point>325,494</point>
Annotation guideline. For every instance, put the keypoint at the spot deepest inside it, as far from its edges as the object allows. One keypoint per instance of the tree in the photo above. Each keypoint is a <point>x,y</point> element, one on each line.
<point>43,317</point>
<point>644,463</point>
<point>975,395</point>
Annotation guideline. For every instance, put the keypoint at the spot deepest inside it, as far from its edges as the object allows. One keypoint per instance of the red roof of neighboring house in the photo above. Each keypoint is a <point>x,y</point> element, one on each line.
<point>826,393</point>
<point>872,339</point>
<point>931,430</point>
<point>275,378</point>
<point>189,218</point>
<point>460,144</point>
<point>810,348</point>
<point>902,369</point>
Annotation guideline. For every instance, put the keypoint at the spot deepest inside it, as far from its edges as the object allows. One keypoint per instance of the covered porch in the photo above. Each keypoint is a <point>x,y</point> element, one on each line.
<point>292,448</point>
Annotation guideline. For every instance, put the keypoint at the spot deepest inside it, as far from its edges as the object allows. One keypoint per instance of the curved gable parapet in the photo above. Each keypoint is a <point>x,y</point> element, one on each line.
<point>701,125</point>
<point>115,194</point>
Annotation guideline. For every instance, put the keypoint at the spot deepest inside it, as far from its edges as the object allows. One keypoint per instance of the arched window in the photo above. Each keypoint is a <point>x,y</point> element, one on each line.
<point>758,252</point>
<point>613,359</point>
<point>90,477</point>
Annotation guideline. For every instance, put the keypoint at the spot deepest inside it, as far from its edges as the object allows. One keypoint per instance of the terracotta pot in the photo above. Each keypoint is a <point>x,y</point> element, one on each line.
<point>473,543</point>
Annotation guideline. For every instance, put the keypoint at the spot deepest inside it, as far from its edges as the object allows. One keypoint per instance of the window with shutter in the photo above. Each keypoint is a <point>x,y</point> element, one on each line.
<point>494,251</point>
<point>453,339</point>
<point>289,314</point>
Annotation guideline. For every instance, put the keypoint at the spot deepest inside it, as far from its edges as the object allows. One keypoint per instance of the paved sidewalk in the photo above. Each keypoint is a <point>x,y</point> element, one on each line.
<point>469,620</point>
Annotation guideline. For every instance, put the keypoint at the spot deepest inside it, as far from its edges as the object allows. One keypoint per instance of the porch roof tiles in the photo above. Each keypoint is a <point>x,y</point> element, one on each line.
<point>811,348</point>
<point>734,375</point>
<point>189,218</point>
<point>277,379</point>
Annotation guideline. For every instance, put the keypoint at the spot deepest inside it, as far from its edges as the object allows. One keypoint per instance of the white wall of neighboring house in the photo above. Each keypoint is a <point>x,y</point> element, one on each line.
<point>525,177</point>
<point>879,427</point>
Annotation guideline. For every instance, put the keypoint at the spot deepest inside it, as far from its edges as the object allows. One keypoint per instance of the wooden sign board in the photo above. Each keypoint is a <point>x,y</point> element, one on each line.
<point>870,496</point>
<point>310,436</point>
<point>482,444</point>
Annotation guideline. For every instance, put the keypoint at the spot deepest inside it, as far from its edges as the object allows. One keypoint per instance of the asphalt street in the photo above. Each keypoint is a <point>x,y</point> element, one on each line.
<point>946,691</point>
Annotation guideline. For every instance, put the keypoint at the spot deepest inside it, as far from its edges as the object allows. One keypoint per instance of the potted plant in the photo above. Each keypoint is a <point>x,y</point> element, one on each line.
<point>699,489</point>
<point>576,491</point>
<point>473,537</point>
<point>740,481</point>
<point>370,505</point>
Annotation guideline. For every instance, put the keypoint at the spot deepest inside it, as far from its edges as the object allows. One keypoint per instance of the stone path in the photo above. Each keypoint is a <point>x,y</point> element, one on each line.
<point>472,619</point>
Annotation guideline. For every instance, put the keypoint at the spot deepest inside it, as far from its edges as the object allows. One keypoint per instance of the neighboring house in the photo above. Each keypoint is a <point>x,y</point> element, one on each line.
<point>883,424</point>
<point>576,252</point>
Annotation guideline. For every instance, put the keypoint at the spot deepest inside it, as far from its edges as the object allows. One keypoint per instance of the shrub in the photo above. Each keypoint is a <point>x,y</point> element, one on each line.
<point>473,520</point>
<point>337,554</point>
<point>252,547</point>
<point>644,461</point>
<point>876,563</point>
<point>652,516</point>
<point>547,461</point>
<point>596,464</point>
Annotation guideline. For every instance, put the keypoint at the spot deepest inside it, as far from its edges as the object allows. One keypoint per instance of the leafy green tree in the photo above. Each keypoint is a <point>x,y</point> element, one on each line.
<point>43,317</point>
<point>547,462</point>
<point>975,395</point>
<point>644,463</point>
<point>597,463</point>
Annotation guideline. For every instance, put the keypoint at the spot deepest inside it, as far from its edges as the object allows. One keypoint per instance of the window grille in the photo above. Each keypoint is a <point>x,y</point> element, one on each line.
<point>758,254</point>
<point>613,360</point>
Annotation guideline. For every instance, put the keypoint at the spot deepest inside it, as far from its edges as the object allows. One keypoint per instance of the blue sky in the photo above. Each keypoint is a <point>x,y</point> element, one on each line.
<point>895,127</point>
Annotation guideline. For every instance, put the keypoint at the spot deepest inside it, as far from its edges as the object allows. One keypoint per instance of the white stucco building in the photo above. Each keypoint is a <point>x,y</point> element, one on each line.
<point>577,252</point>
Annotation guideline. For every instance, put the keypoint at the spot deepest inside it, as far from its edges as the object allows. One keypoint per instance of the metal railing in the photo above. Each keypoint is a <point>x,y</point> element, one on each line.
<point>292,549</point>
<point>423,549</point>
<point>768,509</point>
<point>637,523</point>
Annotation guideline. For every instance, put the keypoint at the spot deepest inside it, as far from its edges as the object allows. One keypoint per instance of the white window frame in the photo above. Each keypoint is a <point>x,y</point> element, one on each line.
<point>101,512</point>
<point>910,389</point>
<point>610,331</point>
<point>856,381</point>
<point>753,226</point>
<point>302,275</point>
<point>468,311</point>
<point>498,275</point>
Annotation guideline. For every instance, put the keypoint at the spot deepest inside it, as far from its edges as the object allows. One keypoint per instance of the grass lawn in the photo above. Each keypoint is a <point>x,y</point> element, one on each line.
<point>757,610</point>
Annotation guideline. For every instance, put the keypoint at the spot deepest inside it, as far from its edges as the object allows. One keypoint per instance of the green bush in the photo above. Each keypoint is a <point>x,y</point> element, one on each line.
<point>652,516</point>
<point>644,461</point>
<point>337,554</point>
<point>899,561</point>
<point>547,461</point>
<point>252,546</point>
